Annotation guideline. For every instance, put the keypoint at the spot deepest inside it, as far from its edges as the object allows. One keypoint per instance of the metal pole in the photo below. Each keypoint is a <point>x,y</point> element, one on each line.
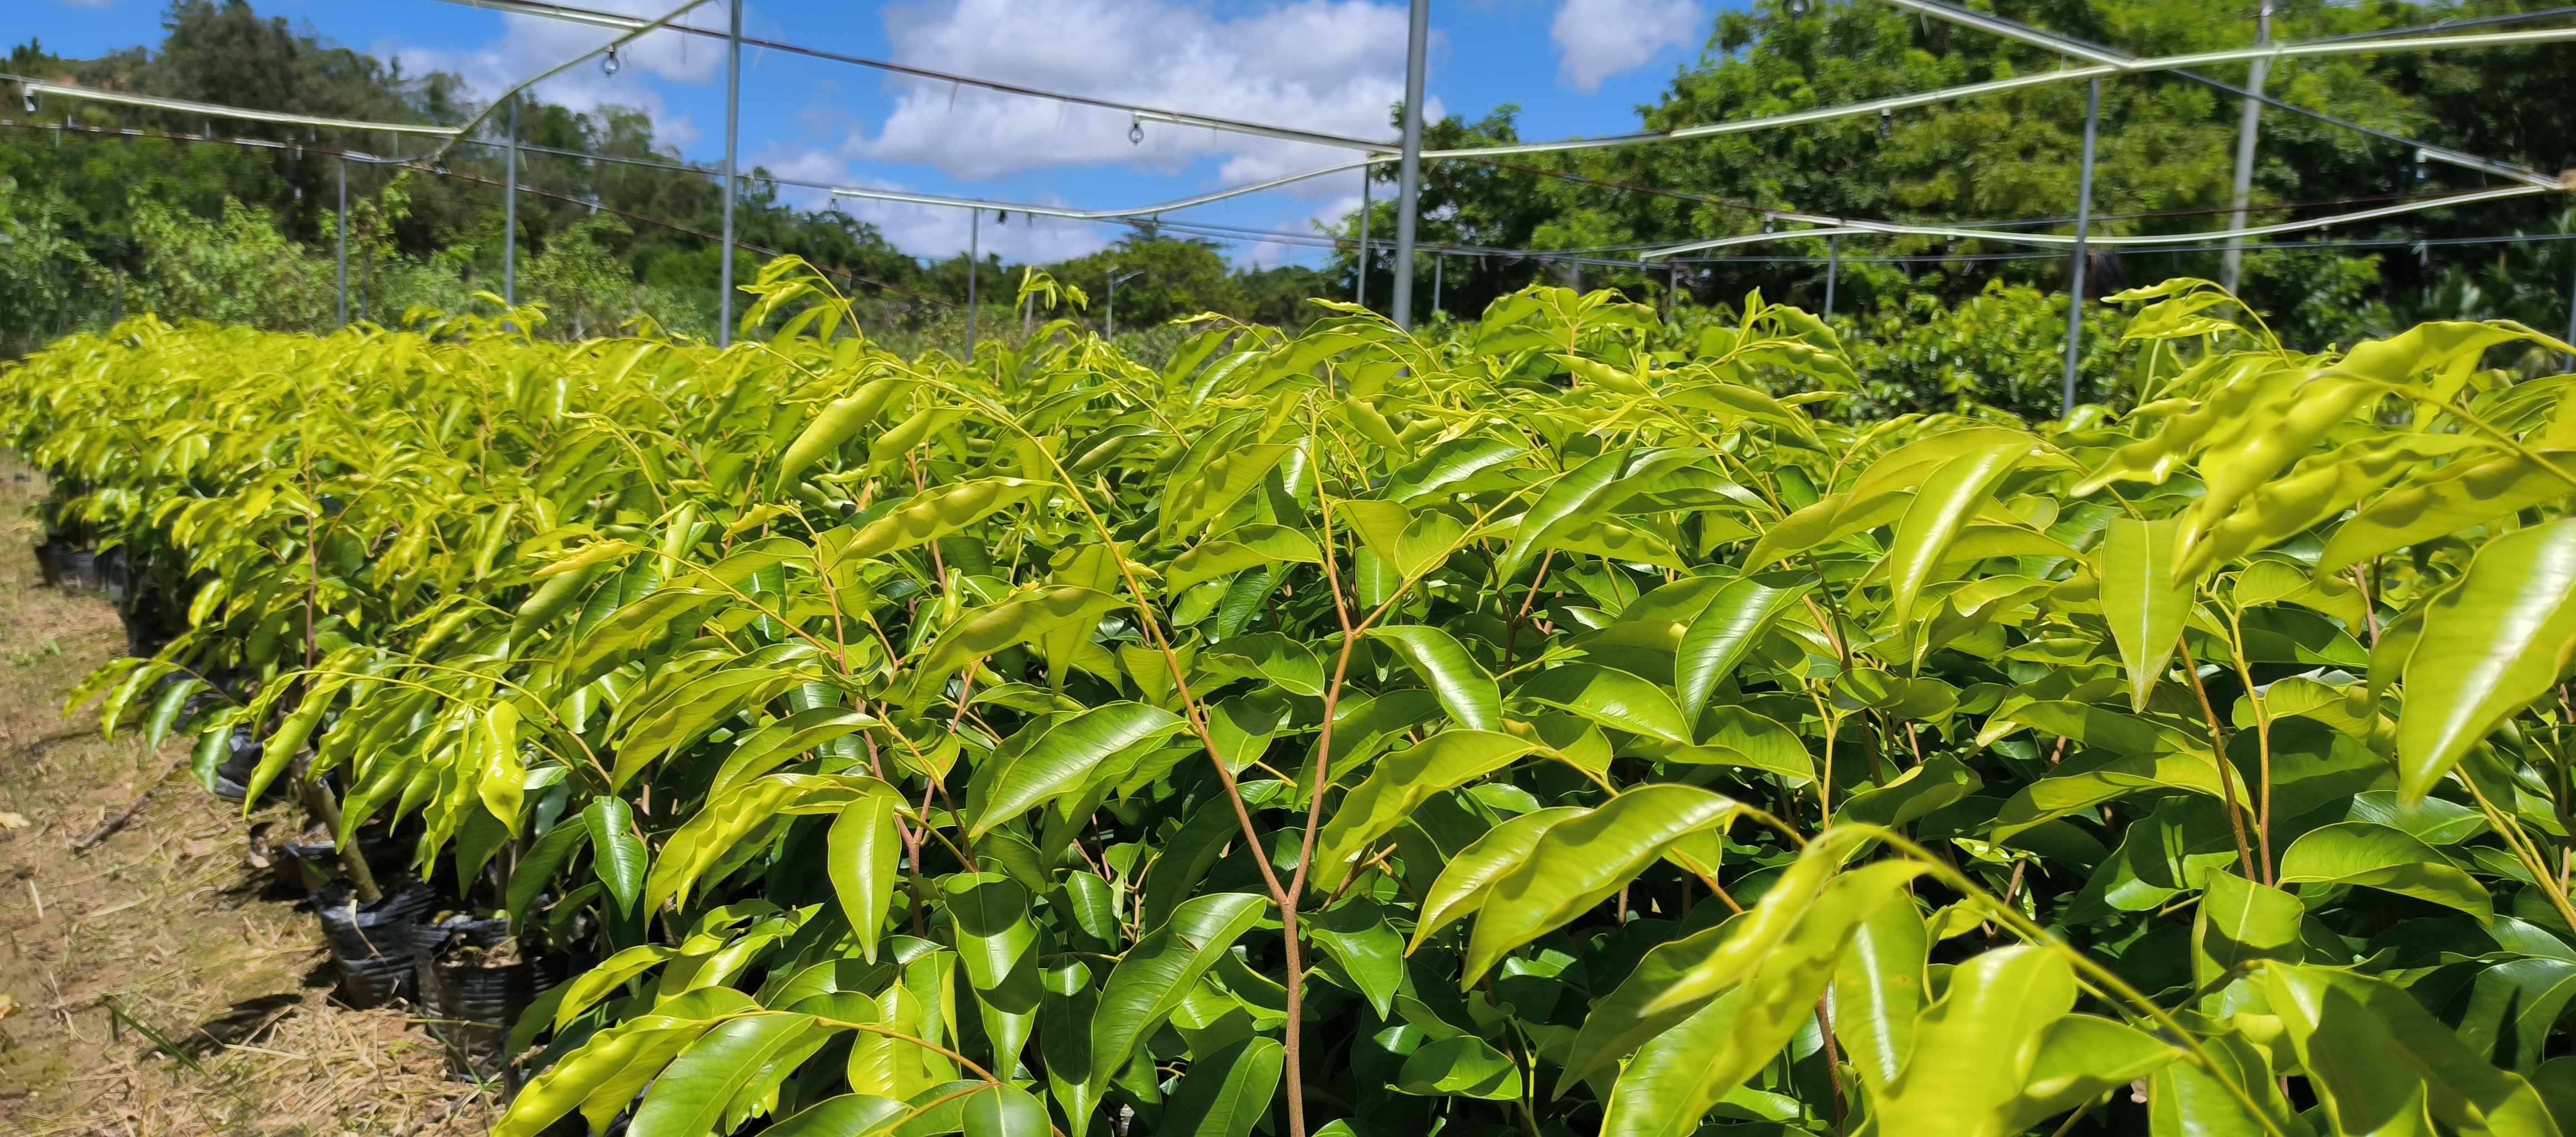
<point>2083,228</point>
<point>733,138</point>
<point>344,241</point>
<point>1359,291</point>
<point>2571,315</point>
<point>974,251</point>
<point>1833,268</point>
<point>510,213</point>
<point>1439,264</point>
<point>1409,167</point>
<point>2245,136</point>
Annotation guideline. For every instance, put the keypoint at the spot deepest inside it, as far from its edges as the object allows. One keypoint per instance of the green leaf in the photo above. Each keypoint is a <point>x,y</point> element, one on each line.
<point>2241,922</point>
<point>1937,783</point>
<point>617,854</point>
<point>780,742</point>
<point>1665,1091</point>
<point>1878,991</point>
<point>2141,598</point>
<point>1469,877</point>
<point>1397,785</point>
<point>849,1115</point>
<point>690,1097</point>
<point>1221,483</point>
<point>1224,1094</point>
<point>1018,620</point>
<point>2380,1061</point>
<point>1464,687</point>
<point>529,876</point>
<point>2465,494</point>
<point>2080,1059</point>
<point>1246,547</point>
<point>2386,858</point>
<point>864,851</point>
<point>1977,1046</point>
<point>2491,645</point>
<point>1459,1067</point>
<point>935,513</point>
<point>1355,933</point>
<point>1580,862</point>
<point>1947,499</point>
<point>1155,976</point>
<point>626,1055</point>
<point>837,423</point>
<point>1611,697</point>
<point>1725,632</point>
<point>1003,1111</point>
<point>1064,755</point>
<point>1620,1022</point>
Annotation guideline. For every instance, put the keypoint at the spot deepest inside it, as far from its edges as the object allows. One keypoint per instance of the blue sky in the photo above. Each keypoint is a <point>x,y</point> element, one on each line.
<point>1573,66</point>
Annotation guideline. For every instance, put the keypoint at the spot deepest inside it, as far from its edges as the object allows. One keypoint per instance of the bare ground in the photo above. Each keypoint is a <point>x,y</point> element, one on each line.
<point>157,983</point>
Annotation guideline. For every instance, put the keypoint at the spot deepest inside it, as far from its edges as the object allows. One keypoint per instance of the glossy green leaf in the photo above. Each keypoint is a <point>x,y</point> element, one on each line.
<point>1226,1093</point>
<point>1468,878</point>
<point>2490,646</point>
<point>865,850</point>
<point>1063,757</point>
<point>1580,862</point>
<point>1611,697</point>
<point>1152,979</point>
<point>1724,633</point>
<point>1976,1047</point>
<point>2389,859</point>
<point>619,854</point>
<point>2142,597</point>
<point>1464,687</point>
<point>1397,785</point>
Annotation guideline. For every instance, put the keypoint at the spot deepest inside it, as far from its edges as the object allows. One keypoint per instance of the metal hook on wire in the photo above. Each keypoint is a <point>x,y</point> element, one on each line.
<point>609,64</point>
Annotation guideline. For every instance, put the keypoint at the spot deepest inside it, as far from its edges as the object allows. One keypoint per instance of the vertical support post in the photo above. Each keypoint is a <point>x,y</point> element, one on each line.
<point>733,138</point>
<point>2246,131</point>
<point>2571,312</point>
<point>510,213</point>
<point>344,240</point>
<point>1359,289</point>
<point>1409,167</point>
<point>1833,270</point>
<point>2083,230</point>
<point>1439,265</point>
<point>974,255</point>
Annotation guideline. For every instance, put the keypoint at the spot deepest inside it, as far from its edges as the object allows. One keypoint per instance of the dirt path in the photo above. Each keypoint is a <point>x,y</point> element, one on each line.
<point>162,937</point>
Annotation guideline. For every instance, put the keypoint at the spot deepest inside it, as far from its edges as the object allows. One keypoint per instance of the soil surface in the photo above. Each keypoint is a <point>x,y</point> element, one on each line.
<point>156,980</point>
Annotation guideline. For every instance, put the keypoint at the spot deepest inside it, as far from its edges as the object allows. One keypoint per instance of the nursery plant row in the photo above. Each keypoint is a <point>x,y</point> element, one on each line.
<point>1567,725</point>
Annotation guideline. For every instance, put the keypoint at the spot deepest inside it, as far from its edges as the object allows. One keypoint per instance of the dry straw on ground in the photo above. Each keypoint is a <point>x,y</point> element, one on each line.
<point>162,932</point>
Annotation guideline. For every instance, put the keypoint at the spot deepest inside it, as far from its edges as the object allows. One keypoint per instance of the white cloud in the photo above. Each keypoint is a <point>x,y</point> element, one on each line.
<point>531,44</point>
<point>1334,66</point>
<point>1601,38</point>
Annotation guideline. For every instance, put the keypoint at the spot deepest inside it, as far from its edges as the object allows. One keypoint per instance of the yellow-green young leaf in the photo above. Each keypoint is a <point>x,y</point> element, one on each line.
<point>935,513</point>
<point>588,988</point>
<point>838,421</point>
<point>1974,1050</point>
<point>1620,1022</point>
<point>1665,1090</point>
<point>2492,644</point>
<point>2266,442</point>
<point>2321,489</point>
<point>1754,937</point>
<point>617,855</point>
<point>1064,755</point>
<point>2466,493</point>
<point>1224,1094</point>
<point>2080,1059</point>
<point>1153,978</point>
<point>783,741</point>
<point>550,600</point>
<point>2381,1063</point>
<point>1947,499</point>
<point>1566,498</point>
<point>1243,548</point>
<point>2185,1101</point>
<point>899,440</point>
<point>1725,631</point>
<point>1466,690</point>
<point>865,850</point>
<point>1468,877</point>
<point>2142,599</point>
<point>849,1115</point>
<point>2384,857</point>
<point>1878,991</point>
<point>1779,999</point>
<point>1939,781</point>
<point>1397,785</point>
<point>702,841</point>
<point>1018,620</point>
<point>689,712</point>
<point>646,1043</point>
<point>281,746</point>
<point>1611,697</point>
<point>1580,862</point>
<point>504,780</point>
<point>1220,484</point>
<point>689,1098</point>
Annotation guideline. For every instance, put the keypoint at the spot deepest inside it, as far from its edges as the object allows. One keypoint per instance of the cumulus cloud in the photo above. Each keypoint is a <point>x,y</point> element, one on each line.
<point>1334,66</point>
<point>531,44</point>
<point>1601,38</point>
